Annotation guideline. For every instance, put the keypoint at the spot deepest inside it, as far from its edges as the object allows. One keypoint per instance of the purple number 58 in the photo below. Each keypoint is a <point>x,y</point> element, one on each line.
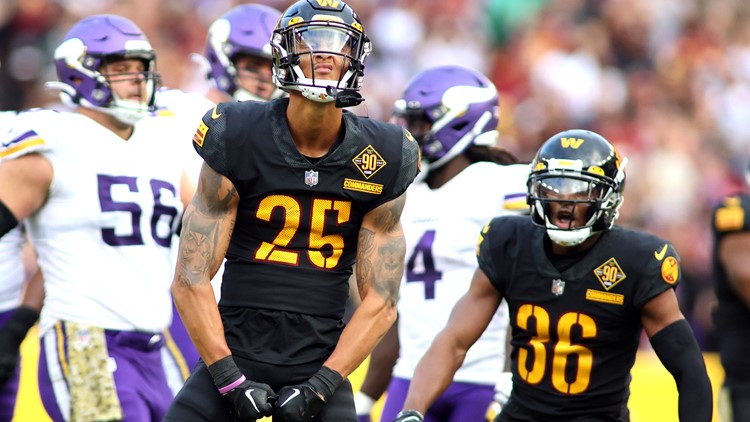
<point>105,183</point>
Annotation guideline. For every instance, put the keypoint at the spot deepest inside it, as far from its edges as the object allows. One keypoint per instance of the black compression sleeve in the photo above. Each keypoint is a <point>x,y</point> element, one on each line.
<point>678,351</point>
<point>7,220</point>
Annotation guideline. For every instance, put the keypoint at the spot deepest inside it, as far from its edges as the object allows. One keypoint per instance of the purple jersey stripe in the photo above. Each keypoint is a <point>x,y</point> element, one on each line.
<point>21,138</point>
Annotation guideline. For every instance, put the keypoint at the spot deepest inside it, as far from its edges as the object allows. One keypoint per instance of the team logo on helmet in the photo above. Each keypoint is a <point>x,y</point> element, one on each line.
<point>571,142</point>
<point>448,109</point>
<point>333,4</point>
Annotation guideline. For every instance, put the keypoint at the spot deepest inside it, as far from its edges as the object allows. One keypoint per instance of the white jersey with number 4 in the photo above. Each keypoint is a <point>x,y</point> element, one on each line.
<point>104,234</point>
<point>442,228</point>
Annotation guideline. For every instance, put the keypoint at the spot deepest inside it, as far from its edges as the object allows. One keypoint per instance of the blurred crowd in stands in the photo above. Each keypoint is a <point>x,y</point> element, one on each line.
<point>667,81</point>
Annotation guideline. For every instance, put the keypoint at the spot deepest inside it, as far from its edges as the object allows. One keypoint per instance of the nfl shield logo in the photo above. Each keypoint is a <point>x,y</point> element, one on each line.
<point>311,178</point>
<point>558,287</point>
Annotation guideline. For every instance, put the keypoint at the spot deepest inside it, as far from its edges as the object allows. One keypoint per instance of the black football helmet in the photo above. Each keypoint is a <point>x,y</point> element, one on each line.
<point>577,162</point>
<point>309,27</point>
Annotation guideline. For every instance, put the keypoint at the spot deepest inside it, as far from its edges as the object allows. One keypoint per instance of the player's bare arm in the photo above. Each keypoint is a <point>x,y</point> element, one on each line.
<point>380,266</point>
<point>446,354</point>
<point>660,311</point>
<point>206,229</point>
<point>24,185</point>
<point>187,188</point>
<point>734,254</point>
<point>380,370</point>
<point>380,257</point>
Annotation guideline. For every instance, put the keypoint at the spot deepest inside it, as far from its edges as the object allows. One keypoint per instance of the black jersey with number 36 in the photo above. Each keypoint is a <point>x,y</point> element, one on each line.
<point>575,333</point>
<point>295,237</point>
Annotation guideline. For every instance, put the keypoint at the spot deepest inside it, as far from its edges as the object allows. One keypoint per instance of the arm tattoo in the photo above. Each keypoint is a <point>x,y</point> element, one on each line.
<point>215,202</point>
<point>391,262</point>
<point>365,255</point>
<point>380,255</point>
<point>207,226</point>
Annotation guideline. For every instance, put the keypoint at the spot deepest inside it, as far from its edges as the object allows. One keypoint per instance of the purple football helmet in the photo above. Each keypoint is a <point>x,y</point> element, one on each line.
<point>86,47</point>
<point>246,29</point>
<point>448,109</point>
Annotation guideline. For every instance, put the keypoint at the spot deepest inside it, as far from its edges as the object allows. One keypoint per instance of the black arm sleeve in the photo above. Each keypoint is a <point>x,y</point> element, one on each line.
<point>678,351</point>
<point>7,220</point>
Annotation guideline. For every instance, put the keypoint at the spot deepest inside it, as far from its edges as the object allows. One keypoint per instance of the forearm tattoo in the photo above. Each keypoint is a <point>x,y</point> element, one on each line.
<point>390,262</point>
<point>380,256</point>
<point>207,224</point>
<point>365,255</point>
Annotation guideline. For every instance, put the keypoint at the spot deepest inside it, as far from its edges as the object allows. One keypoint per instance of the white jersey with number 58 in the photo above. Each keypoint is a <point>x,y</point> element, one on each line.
<point>104,234</point>
<point>442,227</point>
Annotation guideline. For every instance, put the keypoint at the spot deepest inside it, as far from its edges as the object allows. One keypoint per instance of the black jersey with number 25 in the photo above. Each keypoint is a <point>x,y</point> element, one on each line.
<point>295,237</point>
<point>574,334</point>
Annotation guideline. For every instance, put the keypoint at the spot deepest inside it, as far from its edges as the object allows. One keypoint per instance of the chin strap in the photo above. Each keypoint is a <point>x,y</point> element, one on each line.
<point>346,97</point>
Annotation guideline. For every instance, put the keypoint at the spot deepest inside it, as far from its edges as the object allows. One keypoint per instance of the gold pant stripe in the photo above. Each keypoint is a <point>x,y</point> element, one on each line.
<point>61,356</point>
<point>176,355</point>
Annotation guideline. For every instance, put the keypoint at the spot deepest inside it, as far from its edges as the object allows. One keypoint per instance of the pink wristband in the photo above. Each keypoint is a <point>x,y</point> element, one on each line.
<point>232,386</point>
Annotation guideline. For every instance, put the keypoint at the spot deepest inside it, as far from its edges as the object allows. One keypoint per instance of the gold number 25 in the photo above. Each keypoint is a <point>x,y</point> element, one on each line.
<point>274,251</point>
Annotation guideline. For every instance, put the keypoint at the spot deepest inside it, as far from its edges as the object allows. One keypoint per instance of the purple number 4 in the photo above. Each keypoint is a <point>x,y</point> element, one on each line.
<point>430,275</point>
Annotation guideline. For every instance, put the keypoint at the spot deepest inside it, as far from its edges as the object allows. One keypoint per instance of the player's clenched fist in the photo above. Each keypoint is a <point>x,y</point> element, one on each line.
<point>300,403</point>
<point>246,400</point>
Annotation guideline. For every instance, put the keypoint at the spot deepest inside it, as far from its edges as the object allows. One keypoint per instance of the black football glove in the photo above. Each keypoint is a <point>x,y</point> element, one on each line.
<point>409,415</point>
<point>245,399</point>
<point>12,334</point>
<point>300,403</point>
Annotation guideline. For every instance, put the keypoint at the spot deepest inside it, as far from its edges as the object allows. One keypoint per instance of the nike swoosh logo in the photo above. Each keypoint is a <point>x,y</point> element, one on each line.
<point>294,394</point>
<point>214,114</point>
<point>660,255</point>
<point>248,394</point>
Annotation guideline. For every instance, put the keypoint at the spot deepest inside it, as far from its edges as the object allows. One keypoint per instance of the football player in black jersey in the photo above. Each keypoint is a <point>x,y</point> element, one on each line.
<point>731,266</point>
<point>579,291</point>
<point>293,192</point>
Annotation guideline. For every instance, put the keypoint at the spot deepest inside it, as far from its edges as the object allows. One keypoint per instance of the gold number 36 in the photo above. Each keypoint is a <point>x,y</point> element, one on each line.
<point>562,350</point>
